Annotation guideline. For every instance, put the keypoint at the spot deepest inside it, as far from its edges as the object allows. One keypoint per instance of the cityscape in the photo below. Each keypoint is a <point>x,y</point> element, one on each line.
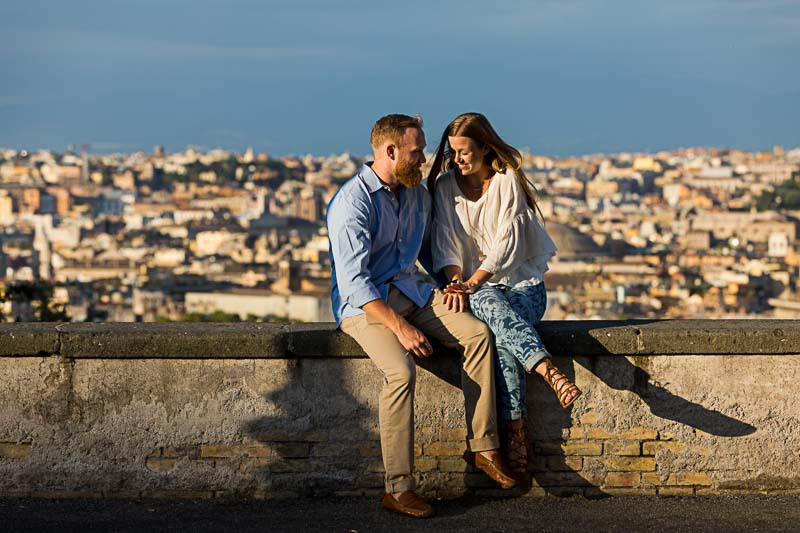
<point>222,236</point>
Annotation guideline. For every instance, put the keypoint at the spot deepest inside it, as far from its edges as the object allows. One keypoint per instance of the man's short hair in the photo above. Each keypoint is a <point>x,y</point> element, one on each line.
<point>391,128</point>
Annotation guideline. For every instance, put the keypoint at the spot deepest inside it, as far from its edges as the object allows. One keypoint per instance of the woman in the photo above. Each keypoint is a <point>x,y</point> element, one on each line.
<point>493,249</point>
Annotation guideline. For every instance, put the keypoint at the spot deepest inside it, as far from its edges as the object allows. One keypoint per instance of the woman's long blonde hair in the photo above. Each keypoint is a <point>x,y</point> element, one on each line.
<point>501,155</point>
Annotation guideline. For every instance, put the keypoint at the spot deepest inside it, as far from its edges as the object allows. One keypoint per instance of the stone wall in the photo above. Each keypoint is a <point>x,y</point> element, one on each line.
<point>265,411</point>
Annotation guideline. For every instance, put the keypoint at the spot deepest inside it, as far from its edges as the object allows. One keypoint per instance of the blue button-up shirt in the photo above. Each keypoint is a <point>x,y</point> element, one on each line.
<point>375,239</point>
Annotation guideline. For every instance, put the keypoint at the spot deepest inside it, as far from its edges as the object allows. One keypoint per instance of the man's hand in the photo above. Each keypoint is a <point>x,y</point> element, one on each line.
<point>412,339</point>
<point>456,301</point>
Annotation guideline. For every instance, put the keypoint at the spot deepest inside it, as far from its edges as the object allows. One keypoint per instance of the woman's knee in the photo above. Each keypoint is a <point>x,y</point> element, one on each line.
<point>486,302</point>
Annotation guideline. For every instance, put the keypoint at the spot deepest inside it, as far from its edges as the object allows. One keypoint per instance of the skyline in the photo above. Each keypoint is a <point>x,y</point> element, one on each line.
<point>558,78</point>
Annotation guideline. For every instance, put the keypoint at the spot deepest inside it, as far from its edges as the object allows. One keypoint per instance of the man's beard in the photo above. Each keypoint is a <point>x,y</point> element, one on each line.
<point>408,174</point>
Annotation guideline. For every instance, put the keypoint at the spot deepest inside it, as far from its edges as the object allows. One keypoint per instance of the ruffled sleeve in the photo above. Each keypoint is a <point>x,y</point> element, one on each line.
<point>446,249</point>
<point>520,236</point>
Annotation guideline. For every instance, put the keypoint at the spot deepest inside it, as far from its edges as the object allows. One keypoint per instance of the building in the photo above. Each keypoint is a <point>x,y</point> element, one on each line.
<point>299,306</point>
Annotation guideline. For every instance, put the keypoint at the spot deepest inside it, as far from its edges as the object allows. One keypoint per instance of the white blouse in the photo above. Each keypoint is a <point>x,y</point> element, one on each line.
<point>498,233</point>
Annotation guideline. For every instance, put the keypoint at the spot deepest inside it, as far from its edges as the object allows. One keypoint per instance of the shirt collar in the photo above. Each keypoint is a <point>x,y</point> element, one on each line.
<point>371,179</point>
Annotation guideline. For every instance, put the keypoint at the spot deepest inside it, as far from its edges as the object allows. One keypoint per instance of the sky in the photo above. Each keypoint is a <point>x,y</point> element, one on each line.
<point>558,77</point>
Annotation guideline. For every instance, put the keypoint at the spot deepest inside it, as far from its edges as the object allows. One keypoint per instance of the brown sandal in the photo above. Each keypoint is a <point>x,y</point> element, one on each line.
<point>516,450</point>
<point>561,385</point>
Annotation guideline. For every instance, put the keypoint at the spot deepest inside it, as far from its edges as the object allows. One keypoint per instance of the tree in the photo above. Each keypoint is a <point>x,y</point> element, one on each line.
<point>786,195</point>
<point>37,297</point>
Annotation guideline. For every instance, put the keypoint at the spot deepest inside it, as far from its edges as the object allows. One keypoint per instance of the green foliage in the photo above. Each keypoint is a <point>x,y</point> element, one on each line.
<point>39,296</point>
<point>216,316</point>
<point>226,172</point>
<point>700,289</point>
<point>171,177</point>
<point>221,316</point>
<point>785,196</point>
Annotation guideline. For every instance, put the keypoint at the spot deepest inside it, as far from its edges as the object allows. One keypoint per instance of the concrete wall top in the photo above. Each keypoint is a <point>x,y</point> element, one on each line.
<point>279,341</point>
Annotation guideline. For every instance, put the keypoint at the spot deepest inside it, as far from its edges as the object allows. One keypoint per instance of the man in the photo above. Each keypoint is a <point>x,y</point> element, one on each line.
<point>377,223</point>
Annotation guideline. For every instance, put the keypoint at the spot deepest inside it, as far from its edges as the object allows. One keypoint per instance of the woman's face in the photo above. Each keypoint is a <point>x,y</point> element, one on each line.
<point>468,155</point>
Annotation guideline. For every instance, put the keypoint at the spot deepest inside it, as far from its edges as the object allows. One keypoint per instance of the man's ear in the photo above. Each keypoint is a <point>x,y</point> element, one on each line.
<point>390,151</point>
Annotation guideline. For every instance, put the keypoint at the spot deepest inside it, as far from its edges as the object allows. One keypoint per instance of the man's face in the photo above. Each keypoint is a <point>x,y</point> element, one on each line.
<point>410,156</point>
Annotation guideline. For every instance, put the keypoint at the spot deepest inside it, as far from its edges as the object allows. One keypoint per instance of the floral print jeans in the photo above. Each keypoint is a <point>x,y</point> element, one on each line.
<point>511,313</point>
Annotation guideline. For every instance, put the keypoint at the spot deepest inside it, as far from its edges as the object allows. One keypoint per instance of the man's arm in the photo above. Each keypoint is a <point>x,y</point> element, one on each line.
<point>351,242</point>
<point>410,337</point>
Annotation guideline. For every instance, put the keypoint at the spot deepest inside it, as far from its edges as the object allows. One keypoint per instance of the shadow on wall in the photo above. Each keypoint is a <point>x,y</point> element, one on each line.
<point>324,434</point>
<point>625,376</point>
<point>562,474</point>
<point>619,373</point>
<point>323,438</point>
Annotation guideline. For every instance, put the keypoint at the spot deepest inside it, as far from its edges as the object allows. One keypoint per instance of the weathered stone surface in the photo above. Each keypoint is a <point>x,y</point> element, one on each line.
<point>627,464</point>
<point>675,491</point>
<point>653,447</point>
<point>622,447</point>
<point>689,478</point>
<point>195,341</point>
<point>623,479</point>
<point>589,337</point>
<point>138,409</point>
<point>26,339</point>
<point>667,337</point>
<point>214,340</point>
<point>14,451</point>
<point>320,340</point>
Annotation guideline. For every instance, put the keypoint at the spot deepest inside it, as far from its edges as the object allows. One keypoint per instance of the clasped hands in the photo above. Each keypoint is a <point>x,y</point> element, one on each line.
<point>456,295</point>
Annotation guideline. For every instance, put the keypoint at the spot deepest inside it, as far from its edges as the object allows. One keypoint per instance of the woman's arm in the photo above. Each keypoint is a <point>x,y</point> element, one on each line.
<point>510,241</point>
<point>452,272</point>
<point>479,278</point>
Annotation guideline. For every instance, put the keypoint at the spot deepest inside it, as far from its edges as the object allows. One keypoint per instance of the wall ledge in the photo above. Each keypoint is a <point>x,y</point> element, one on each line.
<point>315,340</point>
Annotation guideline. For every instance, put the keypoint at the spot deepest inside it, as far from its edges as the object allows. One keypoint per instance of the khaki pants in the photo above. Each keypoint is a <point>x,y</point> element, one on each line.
<point>460,331</point>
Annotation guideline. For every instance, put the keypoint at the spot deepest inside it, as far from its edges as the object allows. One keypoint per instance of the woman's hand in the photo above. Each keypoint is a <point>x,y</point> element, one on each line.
<point>456,287</point>
<point>461,287</point>
<point>456,295</point>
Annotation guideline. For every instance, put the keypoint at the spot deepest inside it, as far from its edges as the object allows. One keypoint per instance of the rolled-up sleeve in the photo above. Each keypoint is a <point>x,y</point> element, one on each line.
<point>348,230</point>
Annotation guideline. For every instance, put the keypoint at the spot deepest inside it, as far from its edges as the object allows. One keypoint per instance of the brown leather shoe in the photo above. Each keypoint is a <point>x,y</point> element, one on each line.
<point>409,504</point>
<point>497,470</point>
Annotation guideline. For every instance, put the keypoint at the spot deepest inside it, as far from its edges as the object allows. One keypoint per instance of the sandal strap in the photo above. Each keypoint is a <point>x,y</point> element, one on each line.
<point>517,450</point>
<point>560,383</point>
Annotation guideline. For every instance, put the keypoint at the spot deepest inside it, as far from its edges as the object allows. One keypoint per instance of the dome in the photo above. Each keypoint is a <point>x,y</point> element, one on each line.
<point>572,244</point>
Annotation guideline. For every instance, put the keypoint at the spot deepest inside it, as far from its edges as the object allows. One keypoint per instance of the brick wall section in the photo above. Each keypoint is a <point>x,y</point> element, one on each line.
<point>592,462</point>
<point>627,464</point>
<point>284,422</point>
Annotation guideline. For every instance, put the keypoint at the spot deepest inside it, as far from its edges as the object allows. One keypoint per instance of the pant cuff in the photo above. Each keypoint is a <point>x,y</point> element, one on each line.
<point>400,484</point>
<point>484,444</point>
<point>512,415</point>
<point>534,359</point>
